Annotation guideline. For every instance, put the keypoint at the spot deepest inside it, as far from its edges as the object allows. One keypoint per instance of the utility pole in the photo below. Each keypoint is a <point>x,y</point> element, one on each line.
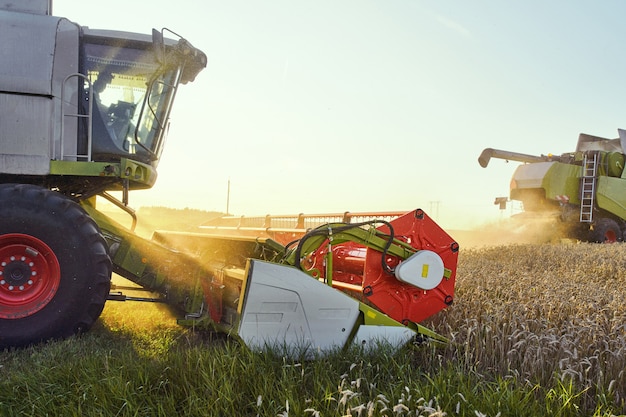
<point>228,198</point>
<point>434,213</point>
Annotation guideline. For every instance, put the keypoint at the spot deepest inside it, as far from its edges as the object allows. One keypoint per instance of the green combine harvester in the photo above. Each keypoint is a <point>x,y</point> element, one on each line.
<point>584,190</point>
<point>83,113</point>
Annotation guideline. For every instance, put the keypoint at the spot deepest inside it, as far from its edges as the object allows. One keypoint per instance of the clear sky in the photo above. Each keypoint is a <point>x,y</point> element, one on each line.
<point>332,105</point>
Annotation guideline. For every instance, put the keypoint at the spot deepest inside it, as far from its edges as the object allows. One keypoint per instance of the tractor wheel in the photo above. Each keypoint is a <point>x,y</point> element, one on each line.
<point>605,230</point>
<point>55,271</point>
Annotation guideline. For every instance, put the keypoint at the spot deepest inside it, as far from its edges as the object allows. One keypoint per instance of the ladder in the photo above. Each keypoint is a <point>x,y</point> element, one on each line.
<point>588,186</point>
<point>65,102</point>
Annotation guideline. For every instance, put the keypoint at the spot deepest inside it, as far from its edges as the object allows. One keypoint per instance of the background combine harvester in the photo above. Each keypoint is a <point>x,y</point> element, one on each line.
<point>84,112</point>
<point>582,191</point>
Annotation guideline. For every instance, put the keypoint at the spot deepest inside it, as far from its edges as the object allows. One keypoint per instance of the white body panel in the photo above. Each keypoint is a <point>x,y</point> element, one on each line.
<point>29,151</point>
<point>29,41</point>
<point>285,305</point>
<point>531,175</point>
<point>27,6</point>
<point>285,308</point>
<point>372,336</point>
<point>424,269</point>
<point>39,52</point>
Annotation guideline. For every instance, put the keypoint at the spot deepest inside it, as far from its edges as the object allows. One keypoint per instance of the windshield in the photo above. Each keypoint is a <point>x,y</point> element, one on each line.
<point>125,123</point>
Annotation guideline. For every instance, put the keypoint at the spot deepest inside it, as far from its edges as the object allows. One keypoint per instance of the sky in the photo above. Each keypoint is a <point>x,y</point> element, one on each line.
<point>374,105</point>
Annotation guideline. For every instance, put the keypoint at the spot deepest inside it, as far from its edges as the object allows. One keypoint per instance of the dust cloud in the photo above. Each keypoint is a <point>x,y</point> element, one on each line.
<point>520,229</point>
<point>523,228</point>
<point>153,218</point>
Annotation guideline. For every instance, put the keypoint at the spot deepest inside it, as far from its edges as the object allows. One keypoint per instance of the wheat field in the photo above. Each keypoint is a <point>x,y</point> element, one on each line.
<point>551,315</point>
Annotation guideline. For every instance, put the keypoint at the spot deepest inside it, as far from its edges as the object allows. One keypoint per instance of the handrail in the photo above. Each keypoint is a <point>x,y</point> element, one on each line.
<point>123,207</point>
<point>300,221</point>
<point>87,116</point>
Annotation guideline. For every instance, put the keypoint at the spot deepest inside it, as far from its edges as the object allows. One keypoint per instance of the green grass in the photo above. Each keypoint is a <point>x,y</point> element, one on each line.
<point>530,338</point>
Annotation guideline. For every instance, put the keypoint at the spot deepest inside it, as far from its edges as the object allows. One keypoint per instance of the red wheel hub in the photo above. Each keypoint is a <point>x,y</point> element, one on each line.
<point>610,237</point>
<point>29,275</point>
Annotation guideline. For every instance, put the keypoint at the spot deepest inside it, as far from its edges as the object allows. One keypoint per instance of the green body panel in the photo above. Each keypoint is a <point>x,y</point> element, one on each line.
<point>537,185</point>
<point>554,179</point>
<point>176,275</point>
<point>85,169</point>
<point>139,175</point>
<point>372,316</point>
<point>611,195</point>
<point>562,179</point>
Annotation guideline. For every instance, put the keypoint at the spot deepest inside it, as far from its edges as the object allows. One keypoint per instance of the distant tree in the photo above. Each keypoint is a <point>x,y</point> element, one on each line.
<point>166,218</point>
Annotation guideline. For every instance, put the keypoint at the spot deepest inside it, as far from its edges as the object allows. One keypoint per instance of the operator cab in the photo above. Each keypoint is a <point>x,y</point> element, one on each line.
<point>129,88</point>
<point>84,110</point>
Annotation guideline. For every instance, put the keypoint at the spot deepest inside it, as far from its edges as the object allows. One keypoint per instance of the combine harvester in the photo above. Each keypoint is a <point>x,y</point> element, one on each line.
<point>83,112</point>
<point>582,191</point>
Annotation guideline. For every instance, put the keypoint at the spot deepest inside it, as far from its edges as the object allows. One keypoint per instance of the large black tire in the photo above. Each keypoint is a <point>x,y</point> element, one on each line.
<point>55,270</point>
<point>605,230</point>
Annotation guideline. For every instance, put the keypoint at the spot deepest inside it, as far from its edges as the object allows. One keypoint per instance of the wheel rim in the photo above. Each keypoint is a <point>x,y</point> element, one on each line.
<point>29,275</point>
<point>610,236</point>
